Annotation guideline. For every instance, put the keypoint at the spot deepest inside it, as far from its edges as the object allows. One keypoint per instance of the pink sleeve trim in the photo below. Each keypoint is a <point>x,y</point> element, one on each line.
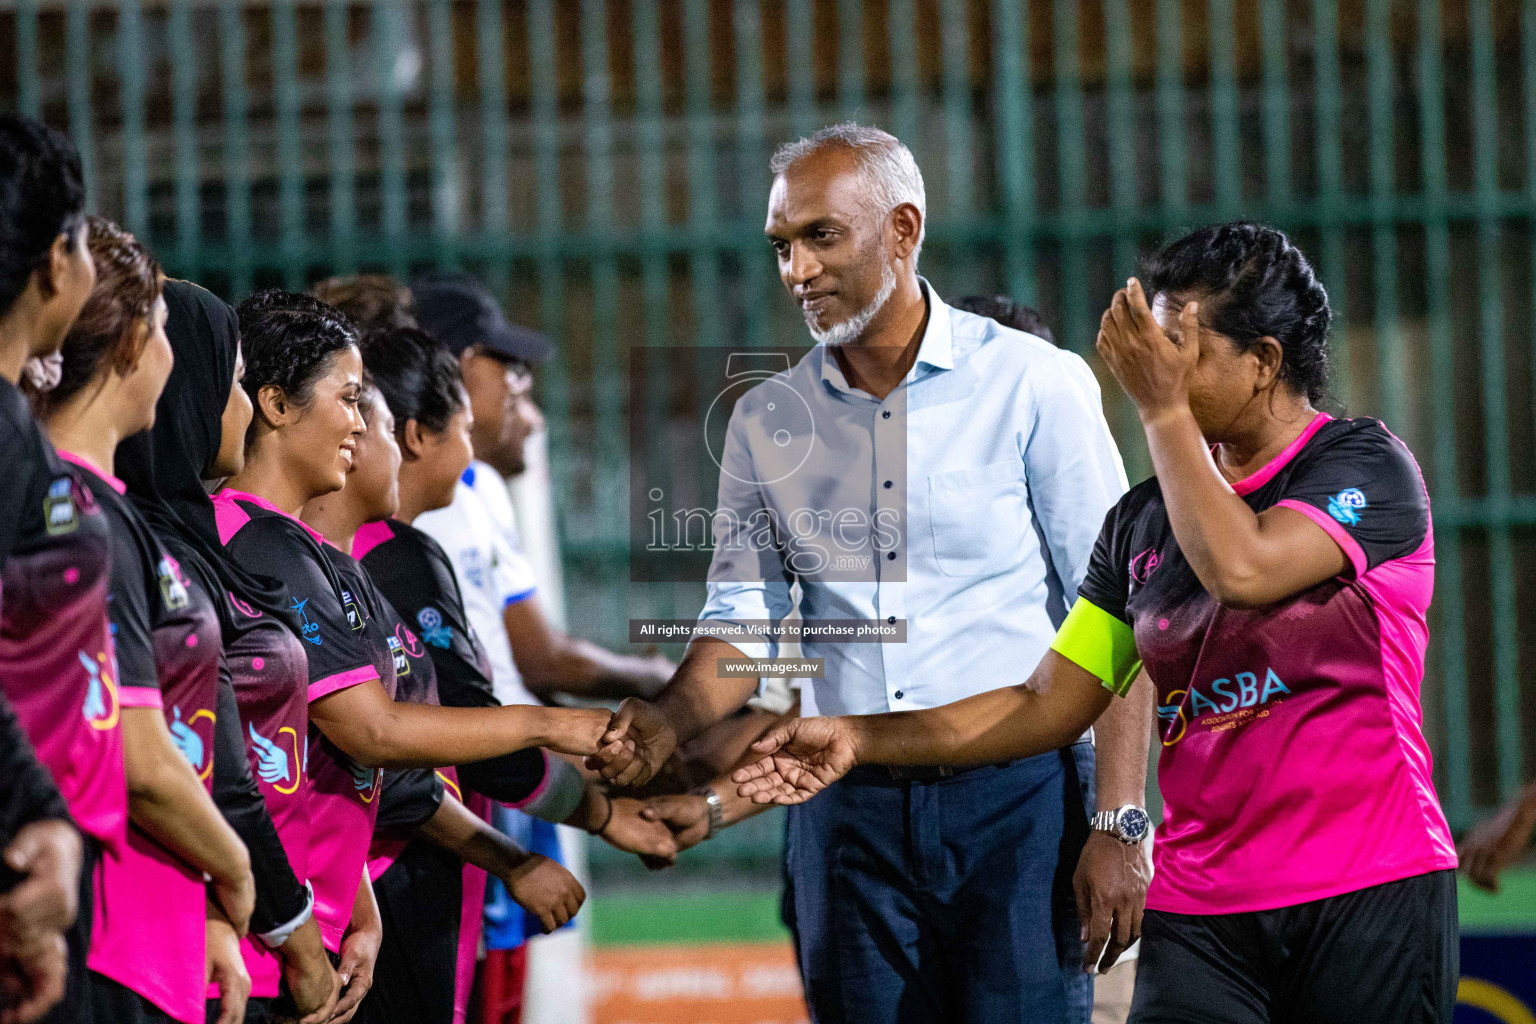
<point>1331,527</point>
<point>140,697</point>
<point>341,680</point>
<point>538,790</point>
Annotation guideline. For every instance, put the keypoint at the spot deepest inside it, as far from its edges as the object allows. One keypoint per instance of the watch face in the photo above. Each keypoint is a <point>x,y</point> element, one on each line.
<point>1133,824</point>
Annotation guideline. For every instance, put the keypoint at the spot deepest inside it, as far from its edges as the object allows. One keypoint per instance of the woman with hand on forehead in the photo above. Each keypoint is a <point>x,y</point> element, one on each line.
<point>1273,579</point>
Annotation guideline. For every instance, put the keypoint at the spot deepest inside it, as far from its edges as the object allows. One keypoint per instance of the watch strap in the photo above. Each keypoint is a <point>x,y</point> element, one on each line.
<point>716,809</point>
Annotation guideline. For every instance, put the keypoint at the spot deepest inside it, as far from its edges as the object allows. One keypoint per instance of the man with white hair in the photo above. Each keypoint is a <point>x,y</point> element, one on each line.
<point>948,475</point>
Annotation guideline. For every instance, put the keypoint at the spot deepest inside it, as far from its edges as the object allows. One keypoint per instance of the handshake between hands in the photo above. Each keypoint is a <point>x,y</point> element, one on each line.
<point>790,764</point>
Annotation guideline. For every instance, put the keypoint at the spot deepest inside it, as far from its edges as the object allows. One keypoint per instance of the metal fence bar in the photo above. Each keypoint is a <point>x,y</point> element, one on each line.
<point>1391,354</point>
<point>703,262</point>
<point>1229,186</point>
<point>290,148</point>
<point>959,168</point>
<point>441,126</point>
<point>77,58</point>
<point>388,41</point>
<point>609,485</point>
<point>1528,74</point>
<point>1013,138</point>
<point>1495,410</point>
<point>1171,137</point>
<point>798,29</point>
<point>1330,184</point>
<point>491,81</point>
<point>189,203</point>
<point>343,164</point>
<point>1076,328</point>
<point>549,219</point>
<point>237,146</point>
<point>752,177</point>
<point>130,45</point>
<point>1122,140</point>
<point>1277,105</point>
<point>28,90</point>
<point>1449,585</point>
<point>850,59</point>
<point>906,123</point>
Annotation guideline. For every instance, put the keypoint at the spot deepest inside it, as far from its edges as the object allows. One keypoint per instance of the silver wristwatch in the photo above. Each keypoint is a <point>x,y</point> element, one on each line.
<point>1129,824</point>
<point>715,808</point>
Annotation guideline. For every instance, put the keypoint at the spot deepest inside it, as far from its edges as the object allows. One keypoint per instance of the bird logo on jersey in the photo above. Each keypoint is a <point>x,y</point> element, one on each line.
<point>272,760</point>
<point>100,707</point>
<point>188,742</point>
<point>1347,505</point>
<point>366,781</point>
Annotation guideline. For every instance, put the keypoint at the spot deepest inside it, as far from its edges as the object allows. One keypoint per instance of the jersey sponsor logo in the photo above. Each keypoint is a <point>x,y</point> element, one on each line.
<point>1347,505</point>
<point>192,746</point>
<point>272,764</point>
<point>354,616</point>
<point>173,586</point>
<point>60,513</point>
<point>1239,694</point>
<point>409,641</point>
<point>1144,564</point>
<point>308,630</point>
<point>244,608</point>
<point>397,651</point>
<point>432,629</point>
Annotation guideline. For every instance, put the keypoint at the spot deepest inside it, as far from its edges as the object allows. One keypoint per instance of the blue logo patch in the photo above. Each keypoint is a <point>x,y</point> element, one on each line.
<point>310,631</point>
<point>1347,505</point>
<point>432,629</point>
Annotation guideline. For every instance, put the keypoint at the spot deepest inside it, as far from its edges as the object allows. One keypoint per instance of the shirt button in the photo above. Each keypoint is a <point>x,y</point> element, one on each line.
<point>886,414</point>
<point>898,695</point>
<point>890,556</point>
<point>888,485</point>
<point>891,620</point>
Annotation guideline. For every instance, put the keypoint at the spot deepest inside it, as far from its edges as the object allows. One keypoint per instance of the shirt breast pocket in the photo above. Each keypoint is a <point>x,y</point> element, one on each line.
<point>979,518</point>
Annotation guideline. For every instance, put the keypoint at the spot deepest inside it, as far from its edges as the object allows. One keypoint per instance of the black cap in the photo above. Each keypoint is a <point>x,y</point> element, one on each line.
<point>459,311</point>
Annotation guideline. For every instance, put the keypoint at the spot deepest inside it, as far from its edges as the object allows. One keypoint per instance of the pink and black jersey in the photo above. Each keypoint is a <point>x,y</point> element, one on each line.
<point>148,929</point>
<point>341,793</point>
<point>59,671</point>
<point>1294,765</point>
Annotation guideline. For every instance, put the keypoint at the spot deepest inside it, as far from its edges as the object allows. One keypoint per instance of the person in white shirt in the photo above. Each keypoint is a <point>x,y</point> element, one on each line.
<point>916,895</point>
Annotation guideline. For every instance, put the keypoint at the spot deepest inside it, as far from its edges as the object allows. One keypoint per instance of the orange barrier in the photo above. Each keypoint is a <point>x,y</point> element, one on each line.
<point>744,983</point>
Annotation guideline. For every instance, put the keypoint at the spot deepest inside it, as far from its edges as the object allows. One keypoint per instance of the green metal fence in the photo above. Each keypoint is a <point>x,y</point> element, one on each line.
<point>603,164</point>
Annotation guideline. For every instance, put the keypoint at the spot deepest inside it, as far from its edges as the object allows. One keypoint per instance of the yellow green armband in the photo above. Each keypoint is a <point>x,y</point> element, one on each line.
<point>1095,640</point>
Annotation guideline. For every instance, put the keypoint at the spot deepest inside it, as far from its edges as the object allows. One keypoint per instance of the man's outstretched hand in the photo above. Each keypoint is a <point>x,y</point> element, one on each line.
<point>638,742</point>
<point>799,759</point>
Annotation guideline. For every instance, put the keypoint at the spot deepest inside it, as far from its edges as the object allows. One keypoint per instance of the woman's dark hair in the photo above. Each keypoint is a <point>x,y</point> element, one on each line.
<point>290,341</point>
<point>417,375</point>
<point>112,327</point>
<point>1251,282</point>
<point>375,302</point>
<point>42,196</point>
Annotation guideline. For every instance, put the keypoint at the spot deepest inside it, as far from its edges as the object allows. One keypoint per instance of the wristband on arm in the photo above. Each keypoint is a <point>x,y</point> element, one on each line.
<point>1098,642</point>
<point>279,935</point>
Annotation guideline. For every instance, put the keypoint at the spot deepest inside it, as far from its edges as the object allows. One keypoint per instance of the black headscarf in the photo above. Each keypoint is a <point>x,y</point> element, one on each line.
<point>164,466</point>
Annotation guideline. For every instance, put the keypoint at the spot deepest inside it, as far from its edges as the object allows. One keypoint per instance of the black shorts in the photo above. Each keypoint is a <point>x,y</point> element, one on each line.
<point>1389,954</point>
<point>115,1002</point>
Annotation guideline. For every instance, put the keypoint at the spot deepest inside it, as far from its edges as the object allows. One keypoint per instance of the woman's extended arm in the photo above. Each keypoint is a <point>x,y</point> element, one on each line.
<point>378,732</point>
<point>802,757</point>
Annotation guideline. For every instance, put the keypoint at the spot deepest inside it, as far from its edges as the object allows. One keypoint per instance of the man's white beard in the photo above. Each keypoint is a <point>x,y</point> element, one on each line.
<point>851,329</point>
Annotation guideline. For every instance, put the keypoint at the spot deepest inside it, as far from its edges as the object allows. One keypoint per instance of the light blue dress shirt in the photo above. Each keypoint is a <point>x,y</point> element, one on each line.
<point>965,504</point>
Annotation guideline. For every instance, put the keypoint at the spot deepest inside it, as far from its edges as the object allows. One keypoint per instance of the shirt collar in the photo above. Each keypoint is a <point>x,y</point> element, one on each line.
<point>937,349</point>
